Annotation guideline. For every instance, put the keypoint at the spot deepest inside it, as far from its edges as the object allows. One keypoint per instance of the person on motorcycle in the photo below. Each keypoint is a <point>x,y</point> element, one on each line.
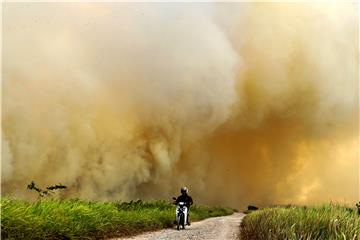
<point>184,197</point>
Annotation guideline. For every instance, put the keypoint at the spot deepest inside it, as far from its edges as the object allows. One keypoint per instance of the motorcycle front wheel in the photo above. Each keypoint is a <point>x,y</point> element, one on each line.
<point>181,221</point>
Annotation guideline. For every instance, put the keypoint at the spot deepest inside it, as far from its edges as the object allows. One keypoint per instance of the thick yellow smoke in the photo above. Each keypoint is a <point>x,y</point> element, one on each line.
<point>240,102</point>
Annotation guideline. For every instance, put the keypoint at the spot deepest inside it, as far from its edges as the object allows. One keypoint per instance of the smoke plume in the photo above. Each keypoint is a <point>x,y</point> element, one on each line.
<point>243,103</point>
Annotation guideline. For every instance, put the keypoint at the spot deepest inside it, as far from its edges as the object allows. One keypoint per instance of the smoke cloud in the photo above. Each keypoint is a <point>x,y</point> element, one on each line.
<point>242,103</point>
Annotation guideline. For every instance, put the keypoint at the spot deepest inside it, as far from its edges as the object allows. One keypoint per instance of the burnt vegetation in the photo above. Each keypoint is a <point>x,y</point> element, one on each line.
<point>48,191</point>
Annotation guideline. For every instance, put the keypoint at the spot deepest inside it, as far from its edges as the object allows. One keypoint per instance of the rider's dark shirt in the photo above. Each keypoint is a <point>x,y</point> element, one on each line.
<point>185,198</point>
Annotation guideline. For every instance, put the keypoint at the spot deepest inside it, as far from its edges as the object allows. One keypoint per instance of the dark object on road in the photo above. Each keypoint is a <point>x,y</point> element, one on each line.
<point>252,208</point>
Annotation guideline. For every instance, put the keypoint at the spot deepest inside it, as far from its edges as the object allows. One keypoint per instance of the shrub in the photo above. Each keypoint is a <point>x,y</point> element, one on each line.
<point>325,222</point>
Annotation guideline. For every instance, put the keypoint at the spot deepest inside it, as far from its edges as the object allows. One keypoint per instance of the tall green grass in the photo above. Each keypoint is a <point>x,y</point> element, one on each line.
<point>328,222</point>
<point>77,219</point>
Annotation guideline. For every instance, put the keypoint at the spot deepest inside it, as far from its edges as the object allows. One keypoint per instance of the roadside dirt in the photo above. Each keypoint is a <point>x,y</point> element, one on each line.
<point>218,228</point>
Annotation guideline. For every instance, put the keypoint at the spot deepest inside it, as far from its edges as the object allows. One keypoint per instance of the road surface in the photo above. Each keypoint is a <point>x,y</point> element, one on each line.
<point>218,228</point>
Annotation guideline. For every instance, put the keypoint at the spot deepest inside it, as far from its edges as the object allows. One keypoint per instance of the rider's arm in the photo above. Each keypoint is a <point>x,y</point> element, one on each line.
<point>191,201</point>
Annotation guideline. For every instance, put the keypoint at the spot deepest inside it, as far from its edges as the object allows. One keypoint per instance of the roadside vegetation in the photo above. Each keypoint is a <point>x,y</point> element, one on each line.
<point>79,219</point>
<point>327,222</point>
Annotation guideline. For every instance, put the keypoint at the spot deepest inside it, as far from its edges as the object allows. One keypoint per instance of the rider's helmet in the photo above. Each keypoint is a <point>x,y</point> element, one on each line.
<point>184,190</point>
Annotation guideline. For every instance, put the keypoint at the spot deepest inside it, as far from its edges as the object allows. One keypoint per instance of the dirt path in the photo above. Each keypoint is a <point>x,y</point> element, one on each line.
<point>219,228</point>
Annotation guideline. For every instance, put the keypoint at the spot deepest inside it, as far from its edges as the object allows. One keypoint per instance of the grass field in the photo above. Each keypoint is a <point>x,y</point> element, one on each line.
<point>77,219</point>
<point>328,222</point>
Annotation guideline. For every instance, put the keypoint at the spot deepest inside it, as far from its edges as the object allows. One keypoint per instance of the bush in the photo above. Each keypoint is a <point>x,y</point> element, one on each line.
<point>325,222</point>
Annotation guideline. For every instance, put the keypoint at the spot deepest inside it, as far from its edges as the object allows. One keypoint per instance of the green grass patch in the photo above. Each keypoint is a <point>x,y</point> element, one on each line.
<point>78,219</point>
<point>327,222</point>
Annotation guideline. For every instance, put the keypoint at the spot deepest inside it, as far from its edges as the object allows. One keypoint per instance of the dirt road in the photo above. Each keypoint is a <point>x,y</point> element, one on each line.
<point>219,228</point>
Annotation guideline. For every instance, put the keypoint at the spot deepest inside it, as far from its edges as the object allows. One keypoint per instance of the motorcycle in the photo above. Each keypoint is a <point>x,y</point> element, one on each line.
<point>181,214</point>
